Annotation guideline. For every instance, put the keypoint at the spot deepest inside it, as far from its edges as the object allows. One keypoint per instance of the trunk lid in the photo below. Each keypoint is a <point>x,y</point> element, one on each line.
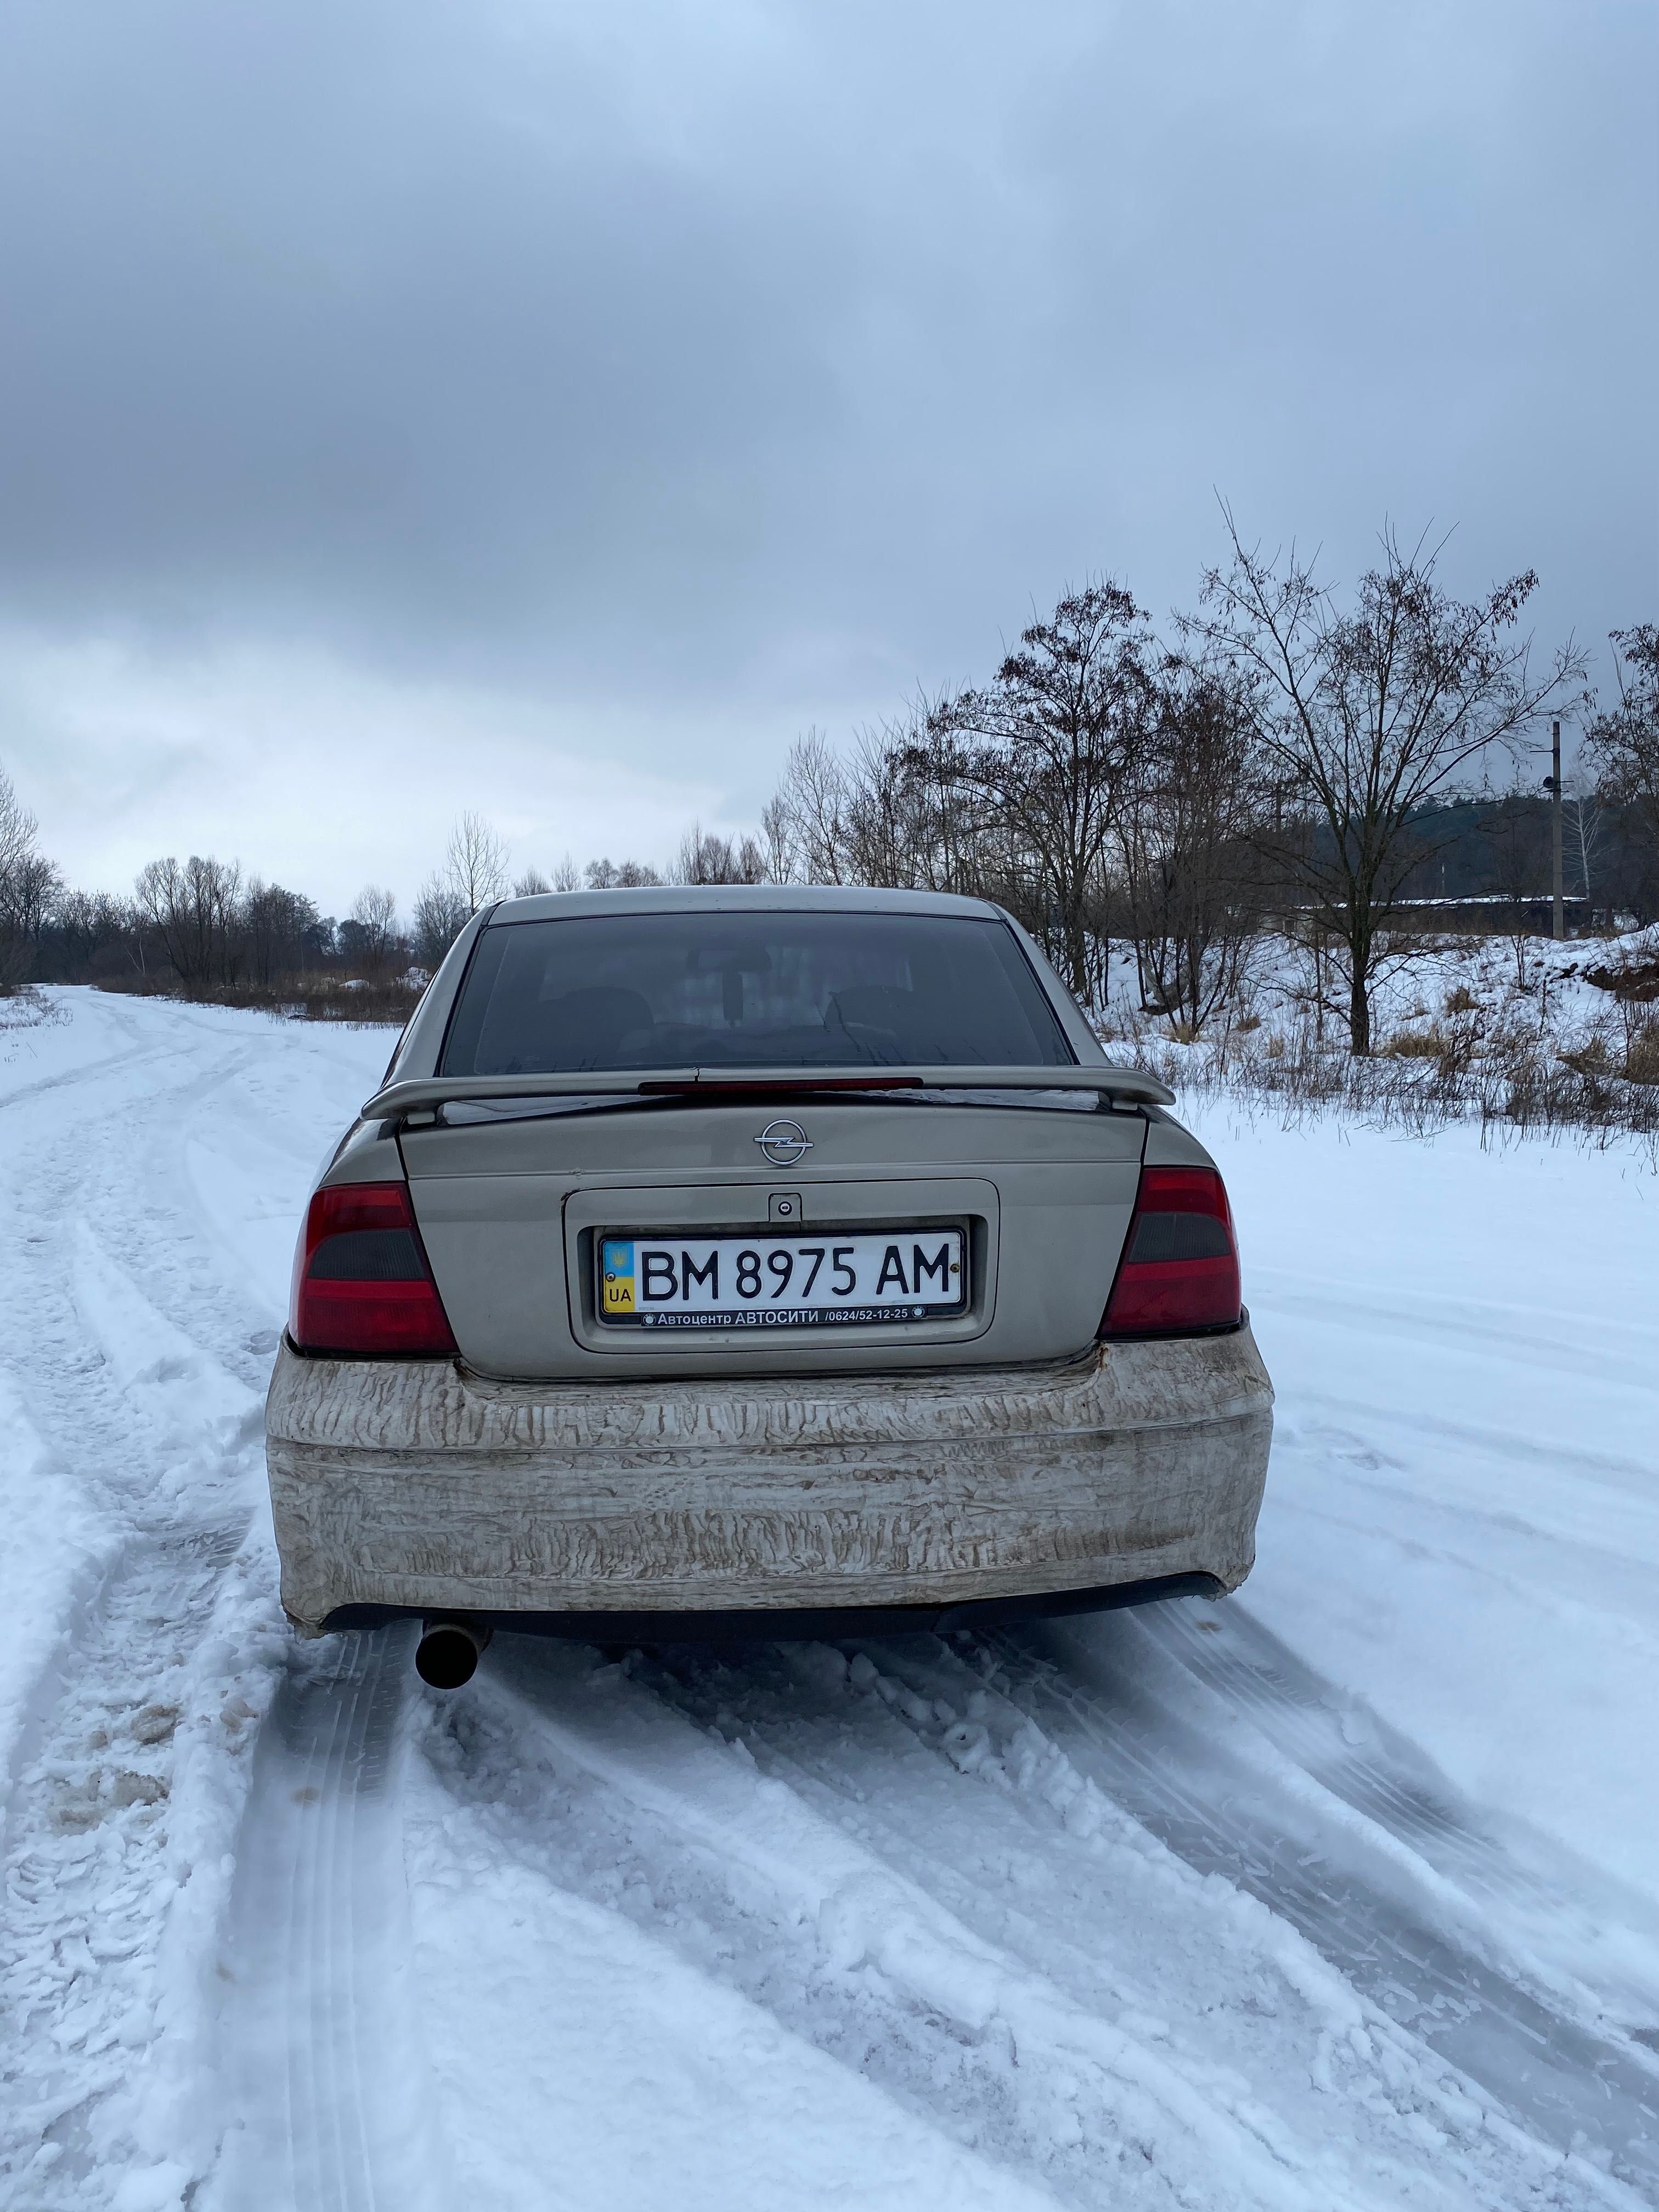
<point>513,1203</point>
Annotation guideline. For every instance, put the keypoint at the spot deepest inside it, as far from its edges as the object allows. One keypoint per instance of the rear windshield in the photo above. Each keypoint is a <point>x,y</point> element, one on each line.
<point>750,990</point>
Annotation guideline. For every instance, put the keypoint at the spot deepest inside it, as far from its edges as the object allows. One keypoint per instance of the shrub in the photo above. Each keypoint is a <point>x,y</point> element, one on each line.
<point>1642,1055</point>
<point>382,1002</point>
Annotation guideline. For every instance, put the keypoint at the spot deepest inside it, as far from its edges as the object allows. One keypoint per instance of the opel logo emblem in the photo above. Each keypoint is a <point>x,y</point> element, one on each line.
<point>784,1143</point>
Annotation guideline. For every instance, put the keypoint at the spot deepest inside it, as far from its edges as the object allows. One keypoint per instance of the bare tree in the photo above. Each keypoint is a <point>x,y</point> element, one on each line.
<point>1186,829</point>
<point>704,858</point>
<point>778,843</point>
<point>610,875</point>
<point>1361,715</point>
<point>893,812</point>
<point>1047,746</point>
<point>373,921</point>
<point>28,884</point>
<point>1623,741</point>
<point>196,911</point>
<point>475,865</point>
<point>567,876</point>
<point>278,932</point>
<point>805,818</point>
<point>530,884</point>
<point>1585,829</point>
<point>473,875</point>
<point>441,915</point>
<point>94,933</point>
<point>911,821</point>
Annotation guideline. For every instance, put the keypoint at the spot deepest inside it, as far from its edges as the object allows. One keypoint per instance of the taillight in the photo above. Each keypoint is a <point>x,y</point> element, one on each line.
<point>1179,1264</point>
<point>361,1285</point>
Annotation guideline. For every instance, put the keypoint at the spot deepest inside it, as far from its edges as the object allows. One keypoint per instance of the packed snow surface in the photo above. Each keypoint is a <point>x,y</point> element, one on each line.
<point>1340,1893</point>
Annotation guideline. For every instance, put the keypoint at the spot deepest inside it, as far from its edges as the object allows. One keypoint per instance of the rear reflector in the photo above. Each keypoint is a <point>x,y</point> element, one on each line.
<point>1180,1267</point>
<point>361,1285</point>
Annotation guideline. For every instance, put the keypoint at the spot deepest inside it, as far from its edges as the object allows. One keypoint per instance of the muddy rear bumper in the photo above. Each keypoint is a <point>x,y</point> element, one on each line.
<point>419,1487</point>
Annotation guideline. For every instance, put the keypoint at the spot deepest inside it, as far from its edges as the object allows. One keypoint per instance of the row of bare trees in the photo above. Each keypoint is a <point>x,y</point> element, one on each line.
<point>202,926</point>
<point>1278,758</point>
<point>214,931</point>
<point>1281,759</point>
<point>475,873</point>
<point>198,924</point>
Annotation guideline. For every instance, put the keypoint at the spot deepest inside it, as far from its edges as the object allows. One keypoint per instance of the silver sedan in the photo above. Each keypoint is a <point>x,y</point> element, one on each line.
<point>717,1258</point>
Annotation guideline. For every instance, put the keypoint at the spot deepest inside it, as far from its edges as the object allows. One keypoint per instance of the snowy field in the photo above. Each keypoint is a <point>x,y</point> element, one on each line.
<point>1342,1893</point>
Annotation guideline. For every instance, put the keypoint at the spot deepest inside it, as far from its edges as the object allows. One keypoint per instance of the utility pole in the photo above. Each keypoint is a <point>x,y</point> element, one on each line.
<point>1555,826</point>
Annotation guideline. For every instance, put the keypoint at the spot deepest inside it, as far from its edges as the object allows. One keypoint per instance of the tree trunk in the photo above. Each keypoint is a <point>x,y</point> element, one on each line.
<point>1359,1015</point>
<point>1077,958</point>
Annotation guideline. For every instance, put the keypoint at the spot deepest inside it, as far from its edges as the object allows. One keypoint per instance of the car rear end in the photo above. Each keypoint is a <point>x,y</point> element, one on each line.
<point>724,1255</point>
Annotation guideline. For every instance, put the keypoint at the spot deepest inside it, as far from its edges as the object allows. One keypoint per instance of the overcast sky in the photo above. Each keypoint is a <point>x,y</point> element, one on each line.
<point>553,411</point>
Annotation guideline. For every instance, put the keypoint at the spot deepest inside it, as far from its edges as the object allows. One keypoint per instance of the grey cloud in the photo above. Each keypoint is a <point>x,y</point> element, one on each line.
<point>778,354</point>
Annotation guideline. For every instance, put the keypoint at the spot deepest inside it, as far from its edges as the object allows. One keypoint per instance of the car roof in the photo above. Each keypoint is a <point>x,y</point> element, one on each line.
<point>737,899</point>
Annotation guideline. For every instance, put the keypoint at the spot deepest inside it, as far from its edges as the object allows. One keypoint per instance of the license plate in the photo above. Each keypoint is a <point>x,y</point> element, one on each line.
<point>897,1276</point>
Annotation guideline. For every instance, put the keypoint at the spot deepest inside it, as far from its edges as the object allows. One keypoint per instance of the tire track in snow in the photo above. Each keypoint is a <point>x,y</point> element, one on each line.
<point>87,1866</point>
<point>139,1371</point>
<point>330,2101</point>
<point>619,2018</point>
<point>1548,1457</point>
<point>154,1436</point>
<point>1344,1748</point>
<point>1150,2127</point>
<point>1495,1332</point>
<point>1149,1750</point>
<point>932,1933</point>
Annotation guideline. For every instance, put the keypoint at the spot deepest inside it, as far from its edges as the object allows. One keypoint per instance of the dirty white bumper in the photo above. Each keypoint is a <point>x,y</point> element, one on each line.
<point>421,1487</point>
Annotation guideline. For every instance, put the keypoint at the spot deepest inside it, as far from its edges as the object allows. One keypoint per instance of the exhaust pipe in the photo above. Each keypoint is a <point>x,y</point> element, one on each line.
<point>448,1651</point>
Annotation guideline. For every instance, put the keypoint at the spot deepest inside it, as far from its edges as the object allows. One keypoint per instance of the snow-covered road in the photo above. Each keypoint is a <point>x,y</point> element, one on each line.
<point>1342,1893</point>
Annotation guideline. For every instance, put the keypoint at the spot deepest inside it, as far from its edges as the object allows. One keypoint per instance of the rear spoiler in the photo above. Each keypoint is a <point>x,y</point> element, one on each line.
<point>424,1094</point>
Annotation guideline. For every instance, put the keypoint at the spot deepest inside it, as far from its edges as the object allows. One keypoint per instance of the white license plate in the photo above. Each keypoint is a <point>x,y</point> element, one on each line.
<point>894,1275</point>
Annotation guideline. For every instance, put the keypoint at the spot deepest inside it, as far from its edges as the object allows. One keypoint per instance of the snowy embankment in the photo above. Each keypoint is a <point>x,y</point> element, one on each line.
<point>1340,1893</point>
<point>1531,1036</point>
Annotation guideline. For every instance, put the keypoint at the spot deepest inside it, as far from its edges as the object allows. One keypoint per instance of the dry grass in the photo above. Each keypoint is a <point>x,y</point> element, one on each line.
<point>26,1008</point>
<point>1415,1044</point>
<point>1505,1078</point>
<point>384,1002</point>
<point>1642,1054</point>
